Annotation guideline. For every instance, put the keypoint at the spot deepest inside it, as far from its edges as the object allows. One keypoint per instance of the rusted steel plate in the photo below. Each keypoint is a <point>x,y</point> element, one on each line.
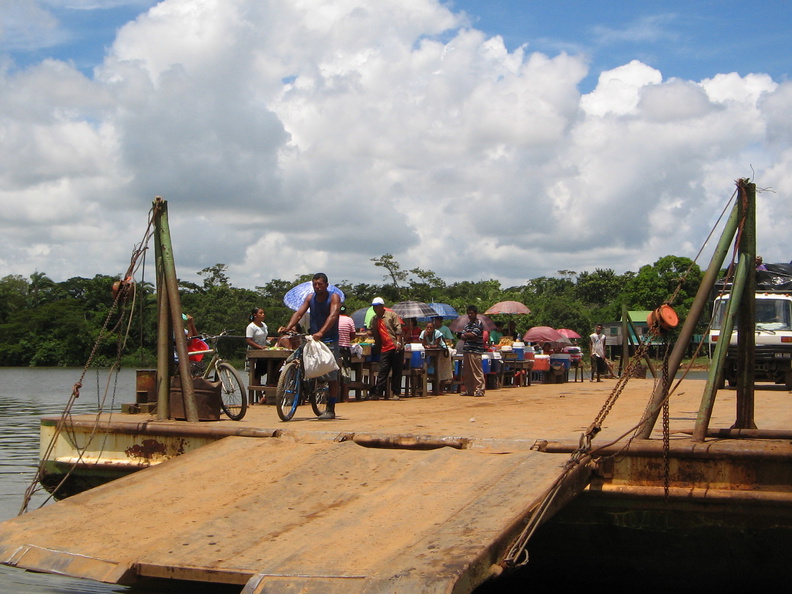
<point>327,512</point>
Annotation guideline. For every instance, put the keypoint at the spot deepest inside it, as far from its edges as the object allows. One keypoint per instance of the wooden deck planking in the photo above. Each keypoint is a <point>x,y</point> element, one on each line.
<point>318,512</point>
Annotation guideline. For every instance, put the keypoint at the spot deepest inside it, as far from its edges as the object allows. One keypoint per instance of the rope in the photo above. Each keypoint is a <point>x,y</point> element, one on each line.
<point>64,422</point>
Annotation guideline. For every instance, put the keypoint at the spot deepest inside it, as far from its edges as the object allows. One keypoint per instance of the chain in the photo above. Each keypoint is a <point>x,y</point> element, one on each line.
<point>666,383</point>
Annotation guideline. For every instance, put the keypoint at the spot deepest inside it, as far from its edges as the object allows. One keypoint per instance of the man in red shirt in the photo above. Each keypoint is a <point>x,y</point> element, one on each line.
<point>386,328</point>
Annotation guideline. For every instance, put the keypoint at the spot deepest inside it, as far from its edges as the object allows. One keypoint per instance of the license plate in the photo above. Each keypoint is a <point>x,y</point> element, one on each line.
<point>782,355</point>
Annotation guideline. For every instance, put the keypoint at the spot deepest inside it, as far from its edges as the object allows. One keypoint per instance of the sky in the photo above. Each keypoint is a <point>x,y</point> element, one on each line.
<point>478,139</point>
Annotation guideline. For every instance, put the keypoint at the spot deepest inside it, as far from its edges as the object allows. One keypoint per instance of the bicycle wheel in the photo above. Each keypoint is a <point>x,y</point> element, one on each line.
<point>320,390</point>
<point>233,394</point>
<point>287,395</point>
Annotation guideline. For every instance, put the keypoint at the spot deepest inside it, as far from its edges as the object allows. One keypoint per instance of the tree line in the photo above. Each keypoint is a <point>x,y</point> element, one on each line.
<point>47,323</point>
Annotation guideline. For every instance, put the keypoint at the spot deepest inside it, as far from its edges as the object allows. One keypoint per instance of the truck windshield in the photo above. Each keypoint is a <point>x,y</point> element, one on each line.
<point>771,314</point>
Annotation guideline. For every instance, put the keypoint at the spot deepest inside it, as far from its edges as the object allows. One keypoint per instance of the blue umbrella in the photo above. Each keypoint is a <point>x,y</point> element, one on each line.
<point>362,316</point>
<point>296,295</point>
<point>443,310</point>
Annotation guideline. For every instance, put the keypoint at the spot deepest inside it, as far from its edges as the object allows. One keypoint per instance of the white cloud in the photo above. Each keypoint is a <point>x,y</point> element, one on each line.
<point>292,136</point>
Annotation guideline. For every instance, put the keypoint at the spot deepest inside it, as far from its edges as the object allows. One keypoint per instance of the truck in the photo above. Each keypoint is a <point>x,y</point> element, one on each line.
<point>773,354</point>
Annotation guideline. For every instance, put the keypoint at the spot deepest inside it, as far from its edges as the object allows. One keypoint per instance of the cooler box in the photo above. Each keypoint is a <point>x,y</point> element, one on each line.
<point>559,360</point>
<point>519,349</point>
<point>417,355</point>
<point>485,363</point>
<point>541,363</point>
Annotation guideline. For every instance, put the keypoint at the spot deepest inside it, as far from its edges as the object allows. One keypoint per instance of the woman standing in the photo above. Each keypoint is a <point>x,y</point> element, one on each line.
<point>256,338</point>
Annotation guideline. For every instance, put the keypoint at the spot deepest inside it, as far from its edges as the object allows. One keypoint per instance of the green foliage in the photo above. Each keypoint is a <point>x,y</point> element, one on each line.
<point>48,323</point>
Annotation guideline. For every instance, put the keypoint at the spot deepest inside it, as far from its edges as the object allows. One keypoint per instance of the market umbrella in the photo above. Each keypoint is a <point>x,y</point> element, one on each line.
<point>508,307</point>
<point>362,316</point>
<point>296,295</point>
<point>459,324</point>
<point>413,309</point>
<point>545,334</point>
<point>444,310</point>
<point>568,333</point>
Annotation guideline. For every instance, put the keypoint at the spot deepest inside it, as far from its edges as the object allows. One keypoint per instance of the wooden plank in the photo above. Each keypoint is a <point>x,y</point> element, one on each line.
<point>269,510</point>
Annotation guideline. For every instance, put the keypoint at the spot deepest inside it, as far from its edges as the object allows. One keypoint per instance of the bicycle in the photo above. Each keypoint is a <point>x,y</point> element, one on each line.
<point>233,394</point>
<point>293,388</point>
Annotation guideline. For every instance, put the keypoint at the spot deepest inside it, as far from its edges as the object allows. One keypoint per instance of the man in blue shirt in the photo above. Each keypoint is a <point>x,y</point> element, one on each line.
<point>325,307</point>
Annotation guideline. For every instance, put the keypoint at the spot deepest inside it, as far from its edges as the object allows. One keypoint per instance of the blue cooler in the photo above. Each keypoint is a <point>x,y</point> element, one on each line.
<point>519,350</point>
<point>417,356</point>
<point>485,363</point>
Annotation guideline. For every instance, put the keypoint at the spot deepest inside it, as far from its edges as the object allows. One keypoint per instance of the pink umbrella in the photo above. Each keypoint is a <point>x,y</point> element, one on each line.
<point>508,307</point>
<point>544,334</point>
<point>568,333</point>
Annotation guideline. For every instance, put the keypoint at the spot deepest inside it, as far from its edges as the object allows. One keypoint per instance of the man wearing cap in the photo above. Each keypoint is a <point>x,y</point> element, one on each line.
<point>386,328</point>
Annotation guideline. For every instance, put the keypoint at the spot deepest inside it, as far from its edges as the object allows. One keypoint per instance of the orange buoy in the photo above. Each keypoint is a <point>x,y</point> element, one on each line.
<point>663,318</point>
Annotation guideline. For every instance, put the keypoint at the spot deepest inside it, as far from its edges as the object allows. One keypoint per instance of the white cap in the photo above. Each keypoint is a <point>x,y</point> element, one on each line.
<point>378,301</point>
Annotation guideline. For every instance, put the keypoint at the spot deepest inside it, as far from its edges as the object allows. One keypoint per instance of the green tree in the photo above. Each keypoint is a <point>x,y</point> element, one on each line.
<point>395,273</point>
<point>655,284</point>
<point>13,295</point>
<point>599,287</point>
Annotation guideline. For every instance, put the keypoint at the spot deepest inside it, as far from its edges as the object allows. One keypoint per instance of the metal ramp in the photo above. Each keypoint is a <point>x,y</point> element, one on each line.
<point>288,516</point>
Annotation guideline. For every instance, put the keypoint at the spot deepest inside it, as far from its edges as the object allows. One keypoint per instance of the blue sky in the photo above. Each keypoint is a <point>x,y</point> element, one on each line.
<point>510,141</point>
<point>691,40</point>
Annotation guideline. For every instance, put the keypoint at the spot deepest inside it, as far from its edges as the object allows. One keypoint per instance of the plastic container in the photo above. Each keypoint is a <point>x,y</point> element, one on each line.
<point>417,355</point>
<point>485,363</point>
<point>519,348</point>
<point>196,344</point>
<point>541,363</point>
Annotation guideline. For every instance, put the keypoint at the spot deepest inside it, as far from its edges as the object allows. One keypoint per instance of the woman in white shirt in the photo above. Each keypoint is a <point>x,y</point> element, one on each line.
<point>256,338</point>
<point>256,332</point>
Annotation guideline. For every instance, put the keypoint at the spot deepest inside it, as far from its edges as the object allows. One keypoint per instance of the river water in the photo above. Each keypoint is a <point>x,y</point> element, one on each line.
<point>27,394</point>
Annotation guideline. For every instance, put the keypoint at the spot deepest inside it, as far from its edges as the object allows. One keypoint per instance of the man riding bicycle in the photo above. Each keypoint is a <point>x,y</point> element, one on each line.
<point>324,307</point>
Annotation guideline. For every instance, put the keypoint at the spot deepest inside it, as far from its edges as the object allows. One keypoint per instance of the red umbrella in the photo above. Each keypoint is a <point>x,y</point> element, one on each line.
<point>459,324</point>
<point>544,334</point>
<point>568,333</point>
<point>508,307</point>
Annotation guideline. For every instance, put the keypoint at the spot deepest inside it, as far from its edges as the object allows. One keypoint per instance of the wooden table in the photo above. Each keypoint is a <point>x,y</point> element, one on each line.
<point>274,359</point>
<point>433,355</point>
<point>516,373</point>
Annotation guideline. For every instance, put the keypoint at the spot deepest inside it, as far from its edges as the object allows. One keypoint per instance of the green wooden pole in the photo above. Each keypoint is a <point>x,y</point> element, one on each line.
<point>702,298</point>
<point>175,309</point>
<point>746,317</point>
<point>719,356</point>
<point>164,329</point>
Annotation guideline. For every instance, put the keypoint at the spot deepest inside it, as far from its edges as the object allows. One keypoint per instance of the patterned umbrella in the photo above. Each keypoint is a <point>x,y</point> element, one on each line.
<point>508,307</point>
<point>296,295</point>
<point>459,324</point>
<point>413,309</point>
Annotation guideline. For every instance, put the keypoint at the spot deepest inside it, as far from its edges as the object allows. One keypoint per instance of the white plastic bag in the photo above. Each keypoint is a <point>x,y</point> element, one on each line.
<point>318,359</point>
